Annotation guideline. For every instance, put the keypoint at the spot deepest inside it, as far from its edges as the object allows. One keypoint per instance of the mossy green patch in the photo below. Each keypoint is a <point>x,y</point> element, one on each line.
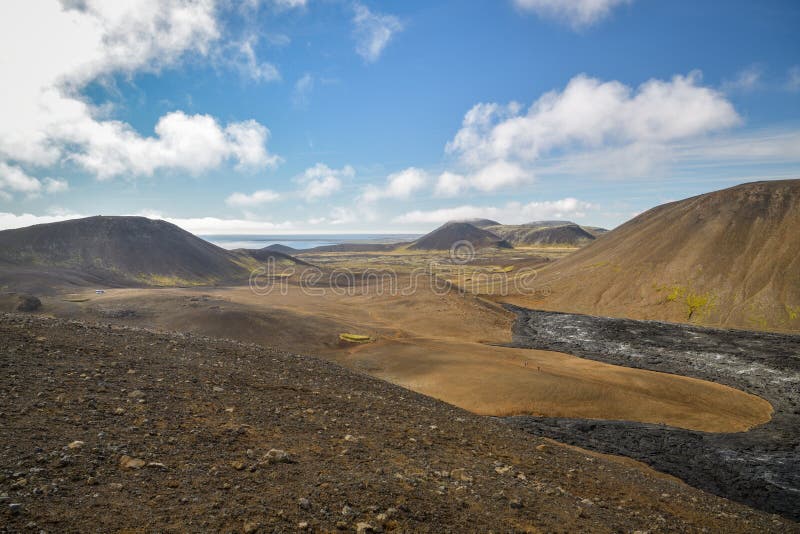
<point>696,305</point>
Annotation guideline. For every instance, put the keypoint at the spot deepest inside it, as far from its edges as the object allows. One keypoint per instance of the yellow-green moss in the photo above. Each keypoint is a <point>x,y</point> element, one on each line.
<point>163,280</point>
<point>696,305</point>
<point>355,338</point>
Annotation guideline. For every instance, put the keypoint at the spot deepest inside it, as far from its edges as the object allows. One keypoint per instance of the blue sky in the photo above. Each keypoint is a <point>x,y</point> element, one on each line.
<point>334,116</point>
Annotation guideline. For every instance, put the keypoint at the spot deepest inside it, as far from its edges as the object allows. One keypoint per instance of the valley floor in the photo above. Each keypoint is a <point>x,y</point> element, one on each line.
<point>449,346</point>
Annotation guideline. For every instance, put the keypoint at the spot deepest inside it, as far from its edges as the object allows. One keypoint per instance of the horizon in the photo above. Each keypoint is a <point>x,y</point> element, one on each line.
<point>299,117</point>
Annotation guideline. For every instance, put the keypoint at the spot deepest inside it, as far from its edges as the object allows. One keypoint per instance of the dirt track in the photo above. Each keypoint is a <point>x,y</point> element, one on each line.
<point>107,428</point>
<point>760,467</point>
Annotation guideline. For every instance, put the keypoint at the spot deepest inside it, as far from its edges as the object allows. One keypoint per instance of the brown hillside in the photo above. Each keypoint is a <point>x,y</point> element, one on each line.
<point>728,258</point>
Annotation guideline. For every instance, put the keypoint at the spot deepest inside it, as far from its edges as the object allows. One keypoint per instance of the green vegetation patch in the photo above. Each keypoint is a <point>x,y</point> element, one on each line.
<point>696,305</point>
<point>160,280</point>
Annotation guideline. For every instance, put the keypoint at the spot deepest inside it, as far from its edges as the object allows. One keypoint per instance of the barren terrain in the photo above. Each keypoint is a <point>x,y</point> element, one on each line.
<point>447,346</point>
<point>112,428</point>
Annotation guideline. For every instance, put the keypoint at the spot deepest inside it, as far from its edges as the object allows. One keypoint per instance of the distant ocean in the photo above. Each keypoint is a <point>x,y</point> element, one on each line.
<point>303,241</point>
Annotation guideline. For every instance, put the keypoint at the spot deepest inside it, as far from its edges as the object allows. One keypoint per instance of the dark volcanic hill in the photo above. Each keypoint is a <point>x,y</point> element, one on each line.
<point>727,258</point>
<point>281,248</point>
<point>266,254</point>
<point>115,251</point>
<point>546,224</point>
<point>450,233</point>
<point>354,247</point>
<point>480,223</point>
<point>554,233</point>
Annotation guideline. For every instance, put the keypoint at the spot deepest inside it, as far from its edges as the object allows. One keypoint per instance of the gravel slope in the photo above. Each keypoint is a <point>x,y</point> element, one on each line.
<point>108,428</point>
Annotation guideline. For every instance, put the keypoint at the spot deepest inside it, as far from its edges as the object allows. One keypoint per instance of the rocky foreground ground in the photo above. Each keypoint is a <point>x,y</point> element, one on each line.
<point>116,429</point>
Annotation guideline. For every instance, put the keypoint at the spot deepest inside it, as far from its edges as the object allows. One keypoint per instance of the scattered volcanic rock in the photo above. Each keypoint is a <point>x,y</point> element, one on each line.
<point>444,237</point>
<point>28,303</point>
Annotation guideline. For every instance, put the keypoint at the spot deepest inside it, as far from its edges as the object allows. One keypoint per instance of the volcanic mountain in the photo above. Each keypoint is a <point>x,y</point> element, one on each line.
<point>114,251</point>
<point>444,237</point>
<point>277,247</point>
<point>557,233</point>
<point>728,258</point>
<point>480,223</point>
<point>267,254</point>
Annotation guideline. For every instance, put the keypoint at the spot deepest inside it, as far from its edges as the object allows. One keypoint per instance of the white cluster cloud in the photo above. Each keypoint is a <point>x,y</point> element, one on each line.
<point>373,31</point>
<point>399,185</point>
<point>193,143</point>
<point>510,213</point>
<point>15,180</point>
<point>53,50</point>
<point>576,13</point>
<point>501,145</point>
<point>490,177</point>
<point>321,181</point>
<point>257,198</point>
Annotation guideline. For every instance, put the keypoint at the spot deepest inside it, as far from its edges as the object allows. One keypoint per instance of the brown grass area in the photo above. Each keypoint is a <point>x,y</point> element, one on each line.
<point>727,258</point>
<point>440,346</point>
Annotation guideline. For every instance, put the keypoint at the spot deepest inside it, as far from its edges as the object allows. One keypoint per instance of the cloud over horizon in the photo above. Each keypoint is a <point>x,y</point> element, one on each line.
<point>321,181</point>
<point>510,213</point>
<point>502,145</point>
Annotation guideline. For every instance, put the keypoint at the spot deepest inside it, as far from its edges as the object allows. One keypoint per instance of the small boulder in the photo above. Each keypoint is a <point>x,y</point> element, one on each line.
<point>460,474</point>
<point>126,462</point>
<point>250,527</point>
<point>277,456</point>
<point>28,303</point>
